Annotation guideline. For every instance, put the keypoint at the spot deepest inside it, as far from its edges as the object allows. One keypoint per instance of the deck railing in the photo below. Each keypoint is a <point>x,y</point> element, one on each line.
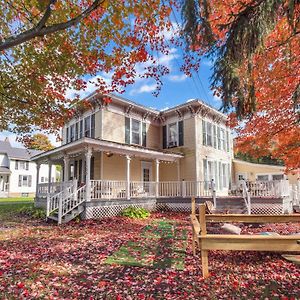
<point>109,189</point>
<point>273,188</point>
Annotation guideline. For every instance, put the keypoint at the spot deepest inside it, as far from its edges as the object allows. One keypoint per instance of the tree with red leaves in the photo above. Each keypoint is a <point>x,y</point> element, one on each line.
<point>49,47</point>
<point>255,48</point>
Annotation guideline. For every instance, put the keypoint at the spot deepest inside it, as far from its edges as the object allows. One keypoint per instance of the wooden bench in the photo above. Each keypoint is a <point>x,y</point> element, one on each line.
<point>206,242</point>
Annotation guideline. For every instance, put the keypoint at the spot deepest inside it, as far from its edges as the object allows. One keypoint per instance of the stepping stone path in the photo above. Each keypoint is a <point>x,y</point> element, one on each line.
<point>162,245</point>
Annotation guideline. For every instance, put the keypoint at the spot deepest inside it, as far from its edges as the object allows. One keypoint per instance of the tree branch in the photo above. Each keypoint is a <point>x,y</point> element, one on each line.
<point>40,29</point>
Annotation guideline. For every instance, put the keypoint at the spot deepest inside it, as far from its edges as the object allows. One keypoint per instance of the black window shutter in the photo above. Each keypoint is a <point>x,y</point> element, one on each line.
<point>180,133</point>
<point>16,166</point>
<point>81,129</point>
<point>164,137</point>
<point>30,180</point>
<point>20,180</point>
<point>76,131</point>
<point>93,126</point>
<point>67,135</point>
<point>27,165</point>
<point>144,134</point>
<point>127,130</point>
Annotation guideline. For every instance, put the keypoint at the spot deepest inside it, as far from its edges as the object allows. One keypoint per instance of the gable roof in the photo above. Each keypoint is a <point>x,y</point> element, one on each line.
<point>15,152</point>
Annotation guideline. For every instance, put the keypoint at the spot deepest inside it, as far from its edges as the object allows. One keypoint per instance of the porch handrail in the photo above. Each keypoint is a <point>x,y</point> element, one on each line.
<point>71,201</point>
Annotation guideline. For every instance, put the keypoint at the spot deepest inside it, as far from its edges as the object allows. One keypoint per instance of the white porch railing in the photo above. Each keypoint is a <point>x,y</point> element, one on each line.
<point>246,196</point>
<point>109,189</point>
<point>275,188</point>
<point>295,193</point>
<point>55,188</point>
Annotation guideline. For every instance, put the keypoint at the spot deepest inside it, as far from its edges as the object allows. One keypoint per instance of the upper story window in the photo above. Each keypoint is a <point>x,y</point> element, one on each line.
<point>22,165</point>
<point>25,180</point>
<point>84,127</point>
<point>135,132</point>
<point>215,136</point>
<point>173,135</point>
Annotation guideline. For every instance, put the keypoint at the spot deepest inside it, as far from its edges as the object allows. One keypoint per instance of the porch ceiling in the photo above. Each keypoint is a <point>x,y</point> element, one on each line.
<point>80,147</point>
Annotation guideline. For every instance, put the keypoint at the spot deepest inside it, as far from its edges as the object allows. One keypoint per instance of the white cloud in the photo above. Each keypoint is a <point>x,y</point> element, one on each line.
<point>145,88</point>
<point>177,78</point>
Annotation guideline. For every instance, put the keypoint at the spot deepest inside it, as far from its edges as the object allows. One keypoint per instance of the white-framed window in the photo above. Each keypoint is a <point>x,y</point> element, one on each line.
<point>42,179</point>
<point>84,127</point>
<point>209,134</point>
<point>262,177</point>
<point>22,165</point>
<point>135,132</point>
<point>218,171</point>
<point>222,139</point>
<point>172,134</point>
<point>25,181</point>
<point>277,177</point>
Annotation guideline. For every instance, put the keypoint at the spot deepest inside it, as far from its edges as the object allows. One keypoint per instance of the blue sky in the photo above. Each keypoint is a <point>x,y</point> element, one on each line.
<point>177,88</point>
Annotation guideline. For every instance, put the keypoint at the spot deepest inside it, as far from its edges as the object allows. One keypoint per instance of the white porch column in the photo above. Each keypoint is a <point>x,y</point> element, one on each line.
<point>49,176</point>
<point>38,165</point>
<point>128,159</point>
<point>88,156</point>
<point>180,185</point>
<point>66,168</point>
<point>157,162</point>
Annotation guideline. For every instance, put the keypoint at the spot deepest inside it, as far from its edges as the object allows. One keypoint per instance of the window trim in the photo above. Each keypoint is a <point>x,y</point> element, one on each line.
<point>168,134</point>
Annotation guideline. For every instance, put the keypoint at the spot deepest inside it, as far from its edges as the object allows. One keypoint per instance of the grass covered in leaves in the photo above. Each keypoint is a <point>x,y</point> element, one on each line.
<point>45,261</point>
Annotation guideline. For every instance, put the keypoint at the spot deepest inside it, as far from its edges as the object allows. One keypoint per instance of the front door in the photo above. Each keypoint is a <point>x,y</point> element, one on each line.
<point>146,175</point>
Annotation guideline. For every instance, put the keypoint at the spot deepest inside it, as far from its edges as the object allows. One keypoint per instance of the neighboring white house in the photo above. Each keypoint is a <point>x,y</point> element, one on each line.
<point>18,173</point>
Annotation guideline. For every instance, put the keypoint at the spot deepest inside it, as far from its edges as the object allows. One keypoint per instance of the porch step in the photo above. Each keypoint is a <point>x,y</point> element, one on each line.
<point>69,216</point>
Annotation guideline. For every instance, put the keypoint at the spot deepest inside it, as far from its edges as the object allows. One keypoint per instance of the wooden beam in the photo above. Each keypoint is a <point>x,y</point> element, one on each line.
<point>241,218</point>
<point>249,242</point>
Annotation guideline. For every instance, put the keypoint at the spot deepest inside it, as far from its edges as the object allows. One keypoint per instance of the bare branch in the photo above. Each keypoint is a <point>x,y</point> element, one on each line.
<point>41,30</point>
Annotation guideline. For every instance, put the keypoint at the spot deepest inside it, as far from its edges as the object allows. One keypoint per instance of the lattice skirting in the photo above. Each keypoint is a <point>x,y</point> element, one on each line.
<point>266,208</point>
<point>99,212</point>
<point>176,207</point>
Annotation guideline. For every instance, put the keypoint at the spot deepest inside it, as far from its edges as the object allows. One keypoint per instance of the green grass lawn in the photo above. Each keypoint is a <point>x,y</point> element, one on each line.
<point>9,211</point>
<point>18,199</point>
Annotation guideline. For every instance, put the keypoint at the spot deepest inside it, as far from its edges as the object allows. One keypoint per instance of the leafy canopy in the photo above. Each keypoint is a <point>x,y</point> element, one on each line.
<point>39,141</point>
<point>255,48</point>
<point>48,47</point>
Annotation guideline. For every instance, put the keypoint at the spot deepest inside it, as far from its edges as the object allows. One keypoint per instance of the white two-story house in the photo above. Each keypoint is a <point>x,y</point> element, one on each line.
<point>18,173</point>
<point>124,150</point>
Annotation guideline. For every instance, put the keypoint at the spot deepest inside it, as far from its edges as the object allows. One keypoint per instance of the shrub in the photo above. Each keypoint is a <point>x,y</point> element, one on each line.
<point>33,212</point>
<point>135,213</point>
